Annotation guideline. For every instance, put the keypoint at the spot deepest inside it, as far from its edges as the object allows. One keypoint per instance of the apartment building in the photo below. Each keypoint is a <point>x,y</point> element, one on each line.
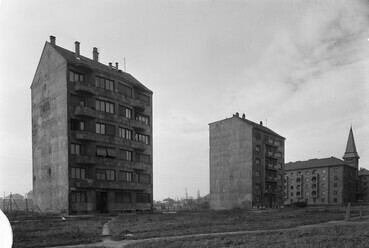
<point>91,135</point>
<point>246,165</point>
<point>363,194</point>
<point>324,181</point>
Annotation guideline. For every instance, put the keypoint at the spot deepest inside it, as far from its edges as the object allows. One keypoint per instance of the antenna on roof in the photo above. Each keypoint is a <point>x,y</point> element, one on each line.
<point>266,122</point>
<point>124,64</point>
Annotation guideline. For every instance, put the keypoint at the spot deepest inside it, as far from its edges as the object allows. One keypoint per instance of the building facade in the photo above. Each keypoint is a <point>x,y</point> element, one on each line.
<point>246,165</point>
<point>324,181</point>
<point>91,135</point>
<point>363,194</point>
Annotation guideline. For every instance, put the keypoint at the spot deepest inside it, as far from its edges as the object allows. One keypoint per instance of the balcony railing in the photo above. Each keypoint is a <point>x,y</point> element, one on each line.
<point>85,88</point>
<point>271,166</point>
<point>81,135</point>
<point>138,105</point>
<point>271,178</point>
<point>138,125</point>
<point>85,111</point>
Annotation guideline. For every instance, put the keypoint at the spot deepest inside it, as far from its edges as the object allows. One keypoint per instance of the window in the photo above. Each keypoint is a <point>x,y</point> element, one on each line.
<point>306,179</point>
<point>124,111</point>
<point>257,173</point>
<point>323,178</point>
<point>323,192</point>
<point>142,138</point>
<point>322,200</point>
<point>335,192</point>
<point>323,171</point>
<point>291,180</point>
<point>122,197</point>
<point>100,128</point>
<point>299,173</point>
<point>104,83</point>
<point>76,77</point>
<point>306,186</point>
<point>125,133</point>
<point>105,175</point>
<point>335,177</point>
<point>313,186</point>
<point>257,186</point>
<point>291,193</point>
<point>279,166</point>
<point>105,106</point>
<point>298,180</point>
<point>291,187</point>
<point>298,193</point>
<point>143,178</point>
<point>77,125</point>
<point>82,102</point>
<point>335,200</point>
<point>75,149</point>
<point>335,170</point>
<point>307,193</point>
<point>298,187</point>
<point>143,198</point>
<point>313,179</point>
<point>257,161</point>
<point>144,158</point>
<point>314,172</point>
<point>102,151</point>
<point>143,118</point>
<point>126,155</point>
<point>291,174</point>
<point>257,148</point>
<point>78,197</point>
<point>144,98</point>
<point>78,173</point>
<point>335,185</point>
<point>306,172</point>
<point>125,176</point>
<point>313,193</point>
<point>124,90</point>
<point>322,185</point>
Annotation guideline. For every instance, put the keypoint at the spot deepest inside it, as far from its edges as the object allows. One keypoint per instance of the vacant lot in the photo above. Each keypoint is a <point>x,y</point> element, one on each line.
<point>344,236</point>
<point>38,230</point>
<point>184,223</point>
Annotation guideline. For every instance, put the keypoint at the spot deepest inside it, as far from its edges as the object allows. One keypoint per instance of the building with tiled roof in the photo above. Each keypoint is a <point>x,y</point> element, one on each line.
<point>323,181</point>
<point>246,164</point>
<point>91,135</point>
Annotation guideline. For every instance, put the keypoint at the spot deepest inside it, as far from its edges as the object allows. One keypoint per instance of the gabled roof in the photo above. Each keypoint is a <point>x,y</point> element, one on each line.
<point>351,147</point>
<point>254,125</point>
<point>94,65</point>
<point>314,163</point>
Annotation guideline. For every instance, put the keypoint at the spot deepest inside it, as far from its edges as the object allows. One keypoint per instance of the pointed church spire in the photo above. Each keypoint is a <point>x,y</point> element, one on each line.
<point>351,147</point>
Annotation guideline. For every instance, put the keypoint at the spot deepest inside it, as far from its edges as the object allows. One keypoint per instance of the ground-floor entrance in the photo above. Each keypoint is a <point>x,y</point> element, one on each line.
<point>101,202</point>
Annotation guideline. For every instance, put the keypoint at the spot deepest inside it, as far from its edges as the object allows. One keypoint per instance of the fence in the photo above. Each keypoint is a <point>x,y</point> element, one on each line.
<point>11,203</point>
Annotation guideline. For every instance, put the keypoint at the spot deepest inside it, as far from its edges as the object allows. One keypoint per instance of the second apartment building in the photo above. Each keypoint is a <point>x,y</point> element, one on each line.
<point>246,165</point>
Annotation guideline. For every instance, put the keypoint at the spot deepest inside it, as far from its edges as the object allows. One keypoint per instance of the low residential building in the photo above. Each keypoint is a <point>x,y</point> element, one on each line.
<point>246,164</point>
<point>363,194</point>
<point>323,181</point>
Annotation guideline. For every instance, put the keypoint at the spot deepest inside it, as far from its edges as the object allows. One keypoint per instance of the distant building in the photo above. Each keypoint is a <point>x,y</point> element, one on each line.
<point>246,165</point>
<point>91,135</point>
<point>324,181</point>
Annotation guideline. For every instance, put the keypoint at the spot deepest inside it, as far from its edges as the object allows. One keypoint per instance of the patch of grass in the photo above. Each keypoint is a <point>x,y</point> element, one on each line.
<point>38,230</point>
<point>334,236</point>
<point>184,223</point>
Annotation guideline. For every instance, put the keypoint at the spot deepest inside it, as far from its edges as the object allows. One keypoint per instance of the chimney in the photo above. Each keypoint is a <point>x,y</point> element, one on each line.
<point>261,123</point>
<point>76,47</point>
<point>243,116</point>
<point>110,65</point>
<point>237,114</point>
<point>116,65</point>
<point>95,54</point>
<point>52,40</point>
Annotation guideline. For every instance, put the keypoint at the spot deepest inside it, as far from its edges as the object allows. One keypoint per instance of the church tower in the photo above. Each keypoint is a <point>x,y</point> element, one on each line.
<point>351,157</point>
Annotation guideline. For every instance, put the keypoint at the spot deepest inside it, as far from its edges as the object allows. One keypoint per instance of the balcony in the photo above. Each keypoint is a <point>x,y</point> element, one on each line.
<point>84,87</point>
<point>138,125</point>
<point>86,136</point>
<point>138,145</point>
<point>85,111</point>
<point>270,191</point>
<point>271,178</point>
<point>271,167</point>
<point>138,105</point>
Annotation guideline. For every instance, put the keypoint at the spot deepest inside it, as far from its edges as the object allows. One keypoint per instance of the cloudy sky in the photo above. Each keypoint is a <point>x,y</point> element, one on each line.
<point>299,66</point>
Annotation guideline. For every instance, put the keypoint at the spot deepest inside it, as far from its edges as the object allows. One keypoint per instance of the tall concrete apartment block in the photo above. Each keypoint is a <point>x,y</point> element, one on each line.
<point>91,135</point>
<point>325,181</point>
<point>246,165</point>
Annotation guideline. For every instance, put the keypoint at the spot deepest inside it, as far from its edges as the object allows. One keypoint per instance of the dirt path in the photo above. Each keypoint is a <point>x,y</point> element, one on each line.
<point>107,242</point>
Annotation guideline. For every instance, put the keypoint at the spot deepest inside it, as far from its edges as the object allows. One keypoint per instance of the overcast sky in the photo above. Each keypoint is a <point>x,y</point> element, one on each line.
<point>299,66</point>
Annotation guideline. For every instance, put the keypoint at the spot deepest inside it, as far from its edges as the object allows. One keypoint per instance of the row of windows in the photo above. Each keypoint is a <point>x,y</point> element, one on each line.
<point>105,106</point>
<point>313,179</point>
<point>299,173</point>
<point>314,200</point>
<point>102,151</point>
<point>109,175</point>
<point>76,77</point>
<point>313,193</point>
<point>120,197</point>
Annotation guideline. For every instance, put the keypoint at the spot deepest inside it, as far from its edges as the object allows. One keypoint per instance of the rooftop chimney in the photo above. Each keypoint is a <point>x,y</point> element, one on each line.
<point>261,123</point>
<point>52,40</point>
<point>76,47</point>
<point>110,65</point>
<point>95,54</point>
<point>237,114</point>
<point>243,116</point>
<point>116,65</point>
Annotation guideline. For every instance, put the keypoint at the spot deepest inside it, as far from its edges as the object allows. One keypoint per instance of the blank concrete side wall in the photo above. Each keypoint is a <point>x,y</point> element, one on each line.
<point>230,164</point>
<point>49,133</point>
